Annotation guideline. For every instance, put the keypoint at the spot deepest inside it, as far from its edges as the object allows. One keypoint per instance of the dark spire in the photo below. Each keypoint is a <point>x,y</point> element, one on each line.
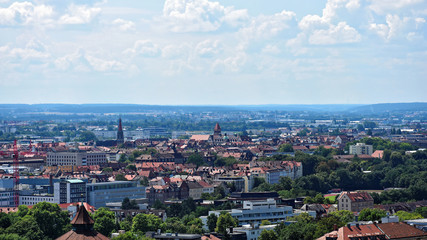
<point>82,220</point>
<point>217,129</point>
<point>120,136</point>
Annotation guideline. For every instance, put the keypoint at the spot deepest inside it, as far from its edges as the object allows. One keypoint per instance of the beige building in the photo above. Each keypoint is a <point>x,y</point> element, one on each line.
<point>361,148</point>
<point>355,201</point>
<point>77,158</point>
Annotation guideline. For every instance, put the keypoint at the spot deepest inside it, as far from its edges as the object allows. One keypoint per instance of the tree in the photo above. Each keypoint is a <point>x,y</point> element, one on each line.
<point>396,159</point>
<point>196,159</point>
<point>344,215</point>
<point>145,222</point>
<point>5,221</point>
<point>286,148</point>
<point>422,211</point>
<point>224,222</point>
<point>120,177</point>
<point>105,221</point>
<point>53,222</point>
<point>371,214</point>
<point>107,169</point>
<point>126,224</point>
<point>128,204</point>
<point>144,181</point>
<point>407,216</point>
<point>265,222</point>
<point>211,222</point>
<point>126,236</point>
<point>131,167</point>
<point>87,136</point>
<point>26,228</point>
<point>268,235</point>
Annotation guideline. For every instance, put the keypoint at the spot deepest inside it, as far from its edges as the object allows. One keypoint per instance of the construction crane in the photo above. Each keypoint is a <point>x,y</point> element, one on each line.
<point>15,174</point>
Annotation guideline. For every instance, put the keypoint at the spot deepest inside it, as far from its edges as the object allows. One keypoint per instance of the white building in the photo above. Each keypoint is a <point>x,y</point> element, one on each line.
<point>34,199</point>
<point>361,148</point>
<point>253,212</point>
<point>6,198</point>
<point>78,158</point>
<point>253,232</point>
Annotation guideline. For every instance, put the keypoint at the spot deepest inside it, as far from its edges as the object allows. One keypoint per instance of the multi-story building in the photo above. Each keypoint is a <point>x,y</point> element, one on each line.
<point>6,198</point>
<point>361,148</point>
<point>99,194</point>
<point>76,158</point>
<point>290,169</point>
<point>253,212</point>
<point>69,191</point>
<point>30,200</point>
<point>355,201</point>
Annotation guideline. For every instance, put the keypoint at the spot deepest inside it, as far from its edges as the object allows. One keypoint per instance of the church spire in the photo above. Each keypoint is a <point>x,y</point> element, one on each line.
<point>120,136</point>
<point>217,129</point>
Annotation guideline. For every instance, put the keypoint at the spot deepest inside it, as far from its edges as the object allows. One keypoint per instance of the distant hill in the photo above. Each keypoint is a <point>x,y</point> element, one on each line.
<point>391,107</point>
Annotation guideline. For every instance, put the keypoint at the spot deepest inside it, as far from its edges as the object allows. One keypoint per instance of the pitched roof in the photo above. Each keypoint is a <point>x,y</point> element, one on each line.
<point>82,217</point>
<point>400,230</point>
<point>357,196</point>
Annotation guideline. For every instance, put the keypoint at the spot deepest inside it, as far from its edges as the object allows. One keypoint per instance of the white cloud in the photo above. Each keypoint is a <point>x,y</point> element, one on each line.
<point>208,48</point>
<point>123,24</point>
<point>341,33</point>
<point>144,48</point>
<point>79,14</point>
<point>392,29</point>
<point>26,13</point>
<point>352,4</point>
<point>419,22</point>
<point>33,50</point>
<point>102,65</point>
<point>263,27</point>
<point>230,64</point>
<point>200,15</point>
<point>383,6</point>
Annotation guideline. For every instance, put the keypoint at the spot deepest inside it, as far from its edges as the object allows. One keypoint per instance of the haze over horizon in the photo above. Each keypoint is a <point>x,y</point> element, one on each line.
<point>206,52</point>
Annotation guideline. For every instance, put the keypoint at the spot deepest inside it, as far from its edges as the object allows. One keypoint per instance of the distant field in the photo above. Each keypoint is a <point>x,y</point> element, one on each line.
<point>330,196</point>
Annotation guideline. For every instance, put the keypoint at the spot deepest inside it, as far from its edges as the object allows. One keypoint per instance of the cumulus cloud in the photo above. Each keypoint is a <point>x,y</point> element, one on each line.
<point>79,14</point>
<point>144,48</point>
<point>383,6</point>
<point>102,65</point>
<point>390,30</point>
<point>322,30</point>
<point>268,26</point>
<point>26,13</point>
<point>33,50</point>
<point>341,33</point>
<point>200,15</point>
<point>208,48</point>
<point>123,24</point>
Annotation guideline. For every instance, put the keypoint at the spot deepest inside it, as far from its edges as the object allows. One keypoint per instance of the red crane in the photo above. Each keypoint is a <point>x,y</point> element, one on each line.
<point>15,174</point>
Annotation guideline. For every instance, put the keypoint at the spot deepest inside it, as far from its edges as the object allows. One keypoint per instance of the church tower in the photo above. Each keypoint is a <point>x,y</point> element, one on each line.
<point>120,136</point>
<point>217,130</point>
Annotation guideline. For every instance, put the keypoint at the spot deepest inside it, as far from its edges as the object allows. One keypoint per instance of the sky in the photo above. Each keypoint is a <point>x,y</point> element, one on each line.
<point>206,52</point>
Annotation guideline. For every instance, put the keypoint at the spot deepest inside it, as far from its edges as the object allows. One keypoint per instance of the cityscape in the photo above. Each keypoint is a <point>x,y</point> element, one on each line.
<point>213,120</point>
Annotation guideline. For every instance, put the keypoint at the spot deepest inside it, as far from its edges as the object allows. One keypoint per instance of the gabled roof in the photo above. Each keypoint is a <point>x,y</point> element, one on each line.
<point>82,217</point>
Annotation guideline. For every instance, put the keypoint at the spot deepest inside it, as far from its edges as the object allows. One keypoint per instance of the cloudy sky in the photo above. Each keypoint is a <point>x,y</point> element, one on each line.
<point>213,52</point>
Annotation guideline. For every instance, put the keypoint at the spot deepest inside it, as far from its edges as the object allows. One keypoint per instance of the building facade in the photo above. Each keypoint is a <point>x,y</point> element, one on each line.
<point>355,201</point>
<point>361,148</point>
<point>99,194</point>
<point>70,191</point>
<point>77,158</point>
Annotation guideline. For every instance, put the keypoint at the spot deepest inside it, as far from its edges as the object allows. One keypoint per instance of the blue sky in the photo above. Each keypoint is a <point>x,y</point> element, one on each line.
<point>190,52</point>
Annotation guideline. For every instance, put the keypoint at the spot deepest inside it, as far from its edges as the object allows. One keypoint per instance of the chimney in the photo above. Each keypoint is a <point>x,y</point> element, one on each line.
<point>349,227</point>
<point>335,227</point>
<point>231,230</point>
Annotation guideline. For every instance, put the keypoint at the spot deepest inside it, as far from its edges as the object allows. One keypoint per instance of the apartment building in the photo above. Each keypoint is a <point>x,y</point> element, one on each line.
<point>76,158</point>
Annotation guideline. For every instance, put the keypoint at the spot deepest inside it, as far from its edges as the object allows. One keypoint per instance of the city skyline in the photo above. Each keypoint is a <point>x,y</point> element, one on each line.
<point>177,52</point>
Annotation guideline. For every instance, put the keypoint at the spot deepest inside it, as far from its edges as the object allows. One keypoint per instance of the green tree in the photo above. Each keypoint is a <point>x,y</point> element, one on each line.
<point>11,236</point>
<point>126,236</point>
<point>87,136</point>
<point>371,214</point>
<point>5,221</point>
<point>211,222</point>
<point>105,221</point>
<point>407,216</point>
<point>268,235</point>
<point>120,177</point>
<point>196,159</point>
<point>265,222</point>
<point>145,222</point>
<point>107,169</point>
<point>126,224</point>
<point>344,215</point>
<point>26,228</point>
<point>422,211</point>
<point>129,204</point>
<point>131,167</point>
<point>53,222</point>
<point>287,147</point>
<point>224,222</point>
